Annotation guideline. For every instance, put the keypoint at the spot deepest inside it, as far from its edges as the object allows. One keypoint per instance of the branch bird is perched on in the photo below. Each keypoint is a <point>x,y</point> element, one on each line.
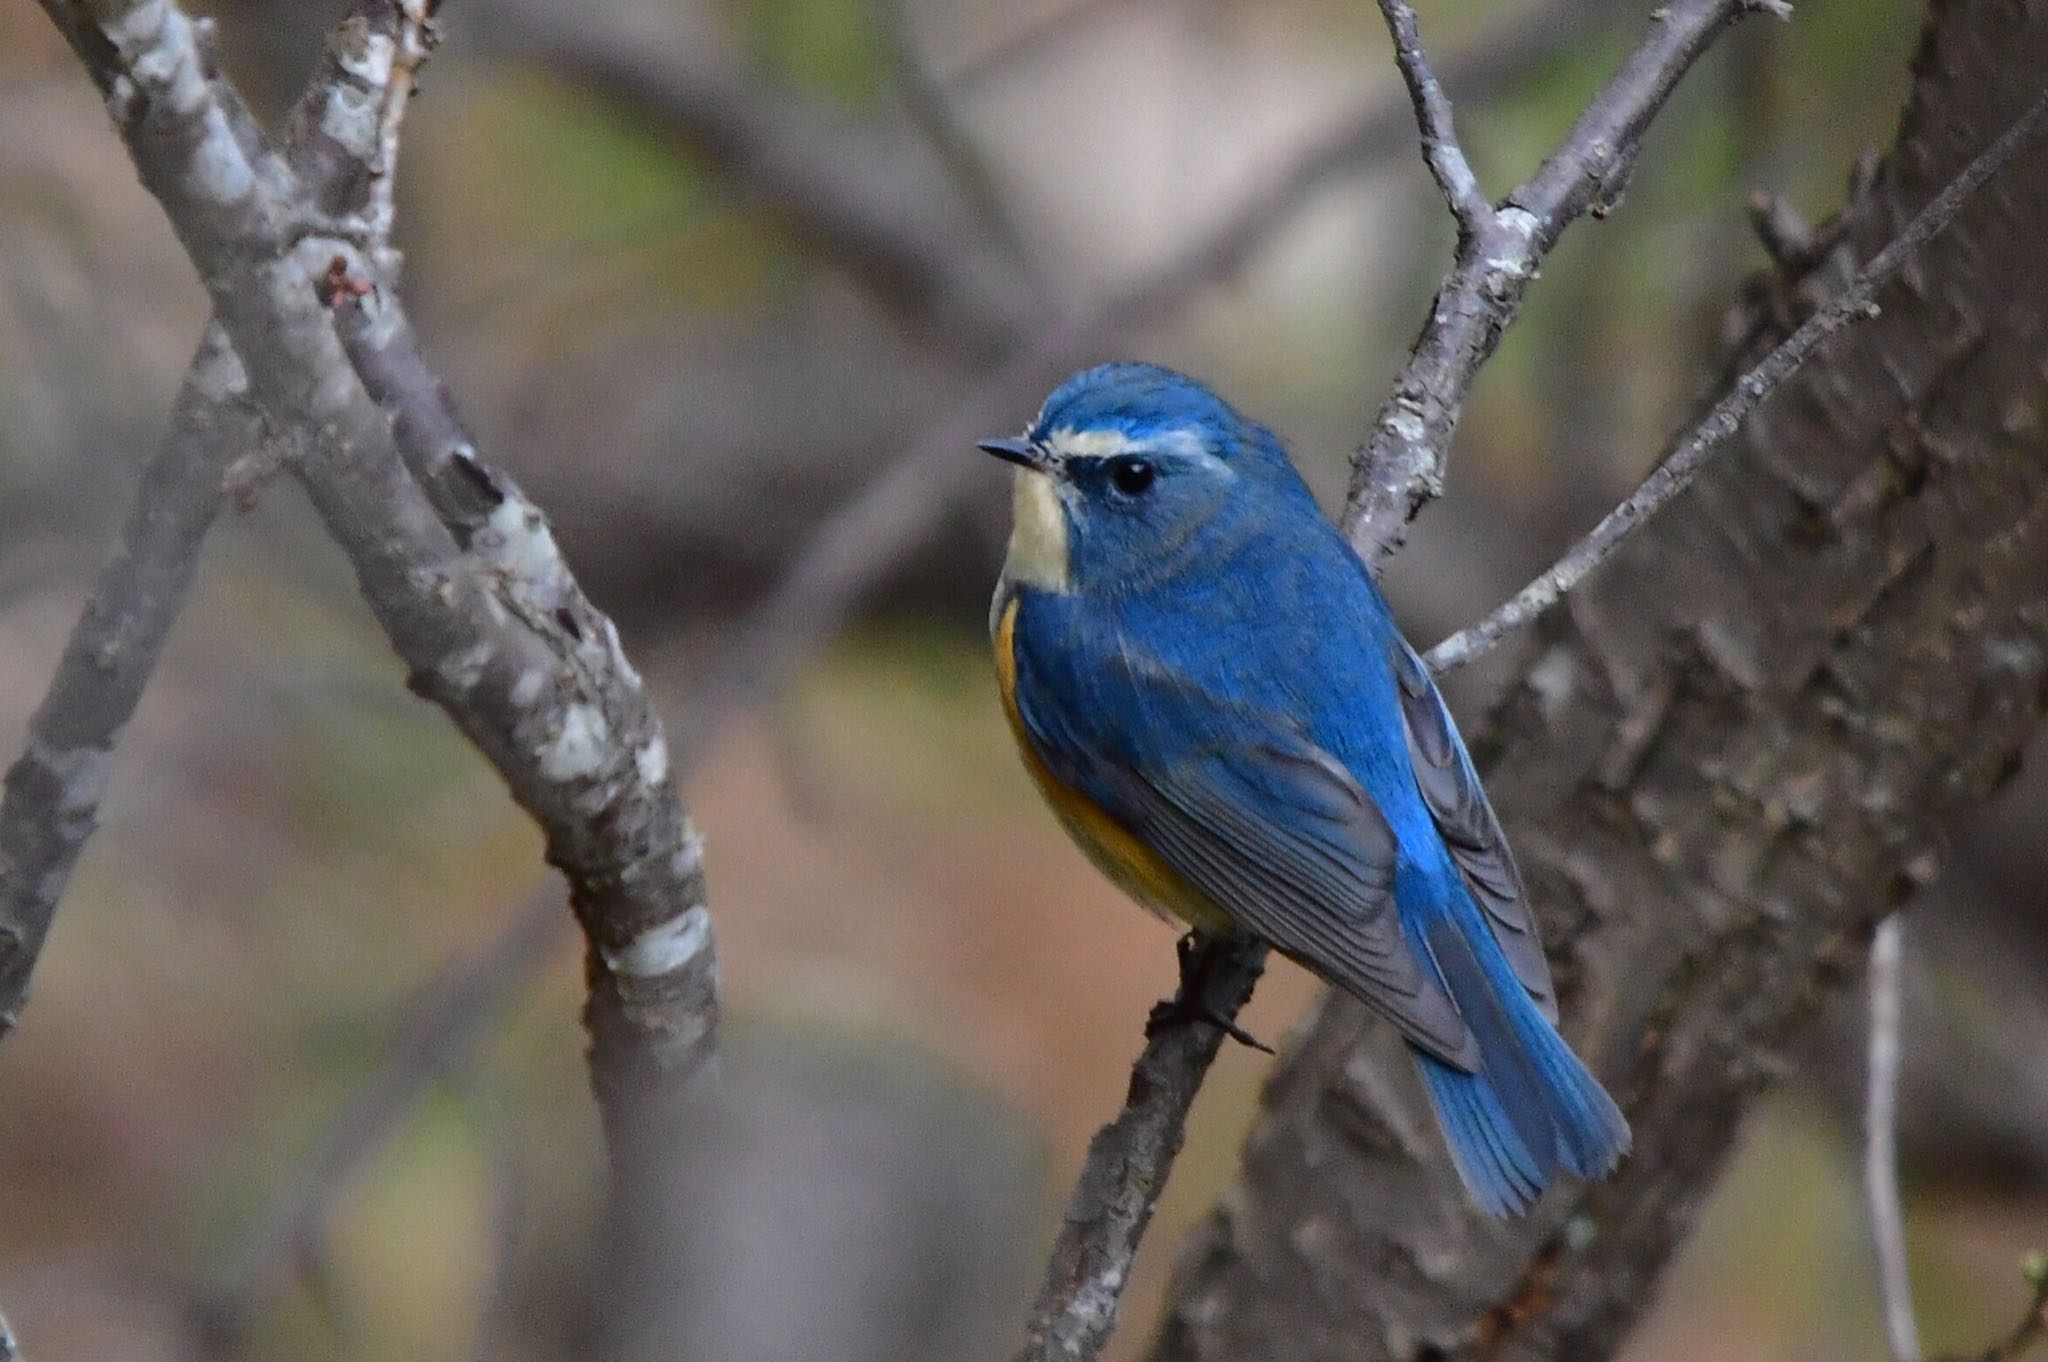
<point>1213,697</point>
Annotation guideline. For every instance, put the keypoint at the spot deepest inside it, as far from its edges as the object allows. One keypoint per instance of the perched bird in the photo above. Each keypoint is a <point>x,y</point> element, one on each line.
<point>1212,695</point>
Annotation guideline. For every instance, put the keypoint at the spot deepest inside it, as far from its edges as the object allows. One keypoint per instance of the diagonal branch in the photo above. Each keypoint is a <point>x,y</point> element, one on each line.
<point>1128,1162</point>
<point>2025,1336</point>
<point>1677,471</point>
<point>500,638</point>
<point>1400,468</point>
<point>51,804</point>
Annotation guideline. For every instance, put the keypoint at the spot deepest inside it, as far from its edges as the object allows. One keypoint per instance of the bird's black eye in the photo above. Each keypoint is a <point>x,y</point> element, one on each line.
<point>1131,476</point>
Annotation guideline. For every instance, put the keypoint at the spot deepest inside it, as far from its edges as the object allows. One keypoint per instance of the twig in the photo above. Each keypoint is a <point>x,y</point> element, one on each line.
<point>1677,471</point>
<point>2031,1331</point>
<point>1440,148</point>
<point>860,540</point>
<point>51,804</point>
<point>1401,466</point>
<point>439,1031</point>
<point>503,640</point>
<point>1128,1162</point>
<point>1881,1141</point>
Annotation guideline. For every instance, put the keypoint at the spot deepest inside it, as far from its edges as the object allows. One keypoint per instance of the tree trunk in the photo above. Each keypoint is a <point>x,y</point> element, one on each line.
<point>1731,752</point>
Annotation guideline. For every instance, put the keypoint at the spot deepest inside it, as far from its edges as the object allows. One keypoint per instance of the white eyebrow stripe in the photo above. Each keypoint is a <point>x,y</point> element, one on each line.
<point>1070,443</point>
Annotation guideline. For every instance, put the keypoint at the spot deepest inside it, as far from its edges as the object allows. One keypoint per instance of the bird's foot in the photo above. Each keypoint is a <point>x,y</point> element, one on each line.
<point>1190,1005</point>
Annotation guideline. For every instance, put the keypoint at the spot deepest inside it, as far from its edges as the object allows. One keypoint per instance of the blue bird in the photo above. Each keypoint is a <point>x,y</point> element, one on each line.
<point>1213,697</point>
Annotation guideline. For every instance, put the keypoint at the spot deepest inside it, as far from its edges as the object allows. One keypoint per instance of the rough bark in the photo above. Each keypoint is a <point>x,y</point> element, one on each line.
<point>1736,748</point>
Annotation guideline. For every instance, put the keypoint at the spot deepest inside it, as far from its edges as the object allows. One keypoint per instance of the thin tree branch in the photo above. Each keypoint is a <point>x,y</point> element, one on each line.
<point>501,639</point>
<point>2029,1333</point>
<point>1400,468</point>
<point>437,1035</point>
<point>1129,1160</point>
<point>1440,148</point>
<point>1677,471</point>
<point>1881,1141</point>
<point>53,791</point>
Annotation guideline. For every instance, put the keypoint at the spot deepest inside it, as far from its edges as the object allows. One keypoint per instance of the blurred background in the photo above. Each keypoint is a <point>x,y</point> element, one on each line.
<point>302,1076</point>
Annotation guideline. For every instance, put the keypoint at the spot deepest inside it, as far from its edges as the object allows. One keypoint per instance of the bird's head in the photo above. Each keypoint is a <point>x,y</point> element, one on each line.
<point>1124,470</point>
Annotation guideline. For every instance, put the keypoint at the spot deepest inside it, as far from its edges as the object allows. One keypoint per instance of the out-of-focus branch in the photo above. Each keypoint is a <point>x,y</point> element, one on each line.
<point>1401,466</point>
<point>436,1036</point>
<point>866,198</point>
<point>508,1214</point>
<point>933,110</point>
<point>500,638</point>
<point>53,790</point>
<point>1881,1141</point>
<point>860,541</point>
<point>1682,465</point>
<point>1030,39</point>
<point>1129,1160</point>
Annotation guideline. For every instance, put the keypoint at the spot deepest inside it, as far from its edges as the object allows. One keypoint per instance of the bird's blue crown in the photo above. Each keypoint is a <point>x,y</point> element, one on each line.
<point>1142,402</point>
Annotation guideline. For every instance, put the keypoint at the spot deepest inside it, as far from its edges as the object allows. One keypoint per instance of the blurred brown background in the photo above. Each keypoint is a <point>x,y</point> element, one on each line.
<point>932,1000</point>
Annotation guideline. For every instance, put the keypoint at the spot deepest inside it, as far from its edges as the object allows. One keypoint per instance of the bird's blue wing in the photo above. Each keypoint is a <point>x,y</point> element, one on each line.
<point>1457,802</point>
<point>1265,824</point>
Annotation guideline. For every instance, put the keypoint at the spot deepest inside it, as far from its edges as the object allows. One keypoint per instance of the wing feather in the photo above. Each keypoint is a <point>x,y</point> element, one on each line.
<point>1457,801</point>
<point>1271,828</point>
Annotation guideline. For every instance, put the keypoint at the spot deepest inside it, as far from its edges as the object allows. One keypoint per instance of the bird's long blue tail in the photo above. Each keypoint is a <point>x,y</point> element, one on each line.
<point>1532,1108</point>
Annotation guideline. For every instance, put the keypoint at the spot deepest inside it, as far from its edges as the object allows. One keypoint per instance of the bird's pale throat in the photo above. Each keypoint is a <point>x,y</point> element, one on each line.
<point>1038,534</point>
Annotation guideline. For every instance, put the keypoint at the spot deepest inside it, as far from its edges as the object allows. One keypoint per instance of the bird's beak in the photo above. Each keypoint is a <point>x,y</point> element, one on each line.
<point>1023,453</point>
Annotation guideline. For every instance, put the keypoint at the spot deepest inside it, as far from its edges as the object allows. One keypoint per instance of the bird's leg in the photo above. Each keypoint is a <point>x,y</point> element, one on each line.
<point>1190,1002</point>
